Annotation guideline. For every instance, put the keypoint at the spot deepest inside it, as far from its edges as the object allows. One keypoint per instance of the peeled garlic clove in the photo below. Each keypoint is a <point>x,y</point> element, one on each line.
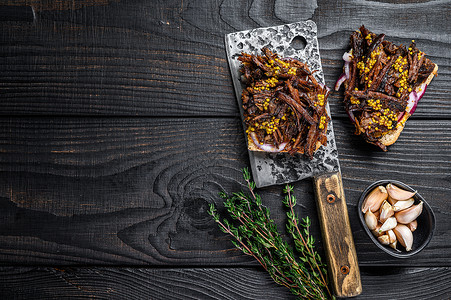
<point>408,215</point>
<point>399,194</point>
<point>384,239</point>
<point>404,236</point>
<point>370,220</point>
<point>400,205</point>
<point>376,231</point>
<point>392,236</point>
<point>377,214</point>
<point>391,200</point>
<point>393,245</point>
<point>413,225</point>
<point>390,223</point>
<point>374,199</point>
<point>386,211</point>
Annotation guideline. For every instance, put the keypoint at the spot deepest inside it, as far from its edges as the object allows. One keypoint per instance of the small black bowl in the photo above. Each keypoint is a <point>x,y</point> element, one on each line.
<point>421,236</point>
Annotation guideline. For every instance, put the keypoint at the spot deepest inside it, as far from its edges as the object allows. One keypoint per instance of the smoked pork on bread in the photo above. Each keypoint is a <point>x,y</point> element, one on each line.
<point>383,84</point>
<point>284,106</point>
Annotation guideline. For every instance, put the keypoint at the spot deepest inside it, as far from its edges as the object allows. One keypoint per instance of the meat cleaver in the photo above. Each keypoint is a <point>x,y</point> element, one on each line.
<point>299,40</point>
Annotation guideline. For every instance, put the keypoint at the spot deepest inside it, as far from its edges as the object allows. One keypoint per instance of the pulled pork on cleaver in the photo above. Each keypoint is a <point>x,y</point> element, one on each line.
<point>284,105</point>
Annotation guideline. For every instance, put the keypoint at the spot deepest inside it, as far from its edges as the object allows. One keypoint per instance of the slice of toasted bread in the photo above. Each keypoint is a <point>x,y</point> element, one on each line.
<point>383,84</point>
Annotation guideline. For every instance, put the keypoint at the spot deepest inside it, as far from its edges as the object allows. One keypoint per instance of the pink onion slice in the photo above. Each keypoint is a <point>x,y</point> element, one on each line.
<point>351,116</point>
<point>414,98</point>
<point>347,57</point>
<point>266,147</point>
<point>348,75</point>
<point>401,115</point>
<point>340,81</point>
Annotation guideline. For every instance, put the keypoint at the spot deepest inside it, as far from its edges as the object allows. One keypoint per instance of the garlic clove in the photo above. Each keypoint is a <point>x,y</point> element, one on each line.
<point>377,214</point>
<point>386,211</point>
<point>390,223</point>
<point>391,200</point>
<point>370,220</point>
<point>376,231</point>
<point>374,199</point>
<point>413,225</point>
<point>404,236</point>
<point>408,215</point>
<point>393,245</point>
<point>384,239</point>
<point>400,205</point>
<point>399,194</point>
<point>392,236</point>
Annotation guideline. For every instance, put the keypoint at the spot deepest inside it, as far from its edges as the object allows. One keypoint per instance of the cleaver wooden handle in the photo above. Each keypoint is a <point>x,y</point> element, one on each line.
<point>344,274</point>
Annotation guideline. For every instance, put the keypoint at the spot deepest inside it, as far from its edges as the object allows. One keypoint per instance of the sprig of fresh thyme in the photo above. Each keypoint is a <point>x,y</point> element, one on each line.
<point>256,234</point>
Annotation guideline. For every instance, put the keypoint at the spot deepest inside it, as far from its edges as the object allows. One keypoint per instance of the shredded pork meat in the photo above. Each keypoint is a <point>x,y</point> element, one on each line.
<point>284,105</point>
<point>381,77</point>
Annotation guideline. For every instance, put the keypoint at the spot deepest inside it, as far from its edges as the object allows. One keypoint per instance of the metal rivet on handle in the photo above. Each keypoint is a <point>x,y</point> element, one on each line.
<point>344,269</point>
<point>330,198</point>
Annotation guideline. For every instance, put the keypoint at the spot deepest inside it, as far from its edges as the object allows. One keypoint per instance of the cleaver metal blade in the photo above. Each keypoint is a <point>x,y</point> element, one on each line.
<point>299,40</point>
<point>279,168</point>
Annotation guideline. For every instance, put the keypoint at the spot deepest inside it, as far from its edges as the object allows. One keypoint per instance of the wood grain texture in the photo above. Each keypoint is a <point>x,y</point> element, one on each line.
<point>40,5</point>
<point>135,191</point>
<point>339,248</point>
<point>119,126</point>
<point>204,283</point>
<point>153,58</point>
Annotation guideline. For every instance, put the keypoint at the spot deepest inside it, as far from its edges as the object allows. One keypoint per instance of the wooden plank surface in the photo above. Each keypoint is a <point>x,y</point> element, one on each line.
<point>134,191</point>
<point>204,283</point>
<point>119,125</point>
<point>152,58</point>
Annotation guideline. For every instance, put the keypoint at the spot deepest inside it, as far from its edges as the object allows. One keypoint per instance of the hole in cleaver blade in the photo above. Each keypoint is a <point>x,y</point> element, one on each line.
<point>298,42</point>
<point>279,168</point>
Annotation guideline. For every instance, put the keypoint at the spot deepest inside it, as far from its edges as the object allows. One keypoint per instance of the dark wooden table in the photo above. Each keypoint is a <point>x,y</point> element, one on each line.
<point>119,126</point>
